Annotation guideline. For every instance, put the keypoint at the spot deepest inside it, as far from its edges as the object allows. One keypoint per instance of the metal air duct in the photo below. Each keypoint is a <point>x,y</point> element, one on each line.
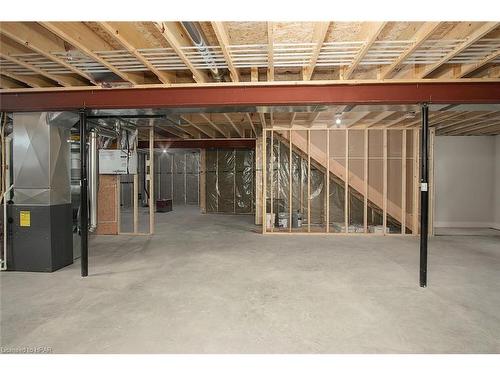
<point>199,42</point>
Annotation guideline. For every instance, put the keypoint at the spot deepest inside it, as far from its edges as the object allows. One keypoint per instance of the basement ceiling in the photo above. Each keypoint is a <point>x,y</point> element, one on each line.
<point>117,54</point>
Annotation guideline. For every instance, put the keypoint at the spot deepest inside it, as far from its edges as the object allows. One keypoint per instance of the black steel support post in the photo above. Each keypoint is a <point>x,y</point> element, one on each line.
<point>84,213</point>
<point>424,194</point>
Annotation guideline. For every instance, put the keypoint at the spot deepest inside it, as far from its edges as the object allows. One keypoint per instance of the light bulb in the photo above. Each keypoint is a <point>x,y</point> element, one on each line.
<point>337,121</point>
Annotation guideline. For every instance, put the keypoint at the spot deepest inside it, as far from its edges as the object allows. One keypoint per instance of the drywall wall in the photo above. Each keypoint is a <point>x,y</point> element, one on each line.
<point>465,181</point>
<point>496,190</point>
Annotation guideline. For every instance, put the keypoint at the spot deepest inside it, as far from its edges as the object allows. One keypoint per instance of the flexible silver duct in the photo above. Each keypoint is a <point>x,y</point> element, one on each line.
<point>93,179</point>
<point>199,41</point>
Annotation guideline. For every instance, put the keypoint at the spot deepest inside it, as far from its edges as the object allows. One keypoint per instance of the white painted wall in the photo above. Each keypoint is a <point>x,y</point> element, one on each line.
<point>467,181</point>
<point>496,190</point>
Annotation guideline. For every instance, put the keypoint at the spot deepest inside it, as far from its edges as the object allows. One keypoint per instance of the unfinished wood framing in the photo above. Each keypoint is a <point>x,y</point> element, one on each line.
<point>403,183</point>
<point>152,202</point>
<point>368,206</point>
<point>309,181</point>
<point>384,160</point>
<point>150,53</point>
<point>203,182</point>
<point>365,180</point>
<point>264,180</point>
<point>432,137</point>
<point>346,183</point>
<point>416,181</point>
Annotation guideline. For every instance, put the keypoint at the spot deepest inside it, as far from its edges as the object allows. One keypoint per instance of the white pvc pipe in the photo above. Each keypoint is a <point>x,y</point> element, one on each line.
<point>4,260</point>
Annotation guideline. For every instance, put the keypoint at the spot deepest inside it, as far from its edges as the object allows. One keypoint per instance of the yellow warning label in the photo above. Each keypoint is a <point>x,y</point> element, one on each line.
<point>25,218</point>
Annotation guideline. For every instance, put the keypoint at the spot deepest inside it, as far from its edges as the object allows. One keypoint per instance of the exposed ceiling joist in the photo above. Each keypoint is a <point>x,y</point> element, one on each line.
<point>80,36</point>
<point>420,37</point>
<point>375,121</point>
<point>469,40</point>
<point>10,50</point>
<point>215,126</point>
<point>176,39</point>
<point>116,30</point>
<point>249,119</point>
<point>319,35</point>
<point>262,118</point>
<point>236,128</point>
<point>223,39</point>
<point>465,70</point>
<point>8,83</point>
<point>31,81</point>
<point>203,129</point>
<point>32,68</point>
<point>373,33</point>
<point>270,51</point>
<point>445,125</point>
<point>469,126</point>
<point>39,40</point>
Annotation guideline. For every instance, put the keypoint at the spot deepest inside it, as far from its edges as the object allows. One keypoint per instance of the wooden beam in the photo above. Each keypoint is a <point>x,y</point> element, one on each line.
<point>11,49</point>
<point>416,182</point>
<point>426,30</point>
<point>118,32</point>
<point>31,81</point>
<point>39,40</point>
<point>312,118</point>
<point>471,127</point>
<point>249,118</point>
<point>471,68</point>
<point>373,33</point>
<point>319,35</point>
<point>327,176</point>
<point>223,39</point>
<point>469,40</point>
<point>152,200</point>
<point>264,180</point>
<point>384,188</point>
<point>308,152</point>
<point>237,129</point>
<point>358,116</point>
<point>375,121</point>
<point>203,181</point>
<point>189,130</point>
<point>403,183</point>
<point>215,126</point>
<point>270,51</point>
<point>346,182</point>
<point>174,35</point>
<point>81,37</point>
<point>9,83</point>
<point>254,74</point>
<point>262,118</point>
<point>292,119</point>
<point>365,180</point>
<point>33,69</point>
<point>207,131</point>
<point>467,119</point>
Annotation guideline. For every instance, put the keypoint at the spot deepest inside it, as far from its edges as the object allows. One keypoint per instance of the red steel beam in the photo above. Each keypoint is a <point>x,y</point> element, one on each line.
<point>207,96</point>
<point>201,143</point>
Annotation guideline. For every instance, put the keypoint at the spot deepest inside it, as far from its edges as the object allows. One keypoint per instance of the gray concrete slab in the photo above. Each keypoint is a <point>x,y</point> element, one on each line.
<point>208,284</point>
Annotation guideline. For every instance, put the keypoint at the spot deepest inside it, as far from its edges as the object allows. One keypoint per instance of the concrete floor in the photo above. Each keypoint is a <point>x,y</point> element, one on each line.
<point>208,284</point>
<point>444,231</point>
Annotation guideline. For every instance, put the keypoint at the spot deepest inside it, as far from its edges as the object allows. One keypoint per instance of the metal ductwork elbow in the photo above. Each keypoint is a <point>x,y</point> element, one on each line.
<point>199,42</point>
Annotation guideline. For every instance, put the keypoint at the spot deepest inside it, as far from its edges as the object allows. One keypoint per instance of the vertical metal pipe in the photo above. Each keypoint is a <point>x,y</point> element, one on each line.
<point>84,225</point>
<point>93,179</point>
<point>424,194</point>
